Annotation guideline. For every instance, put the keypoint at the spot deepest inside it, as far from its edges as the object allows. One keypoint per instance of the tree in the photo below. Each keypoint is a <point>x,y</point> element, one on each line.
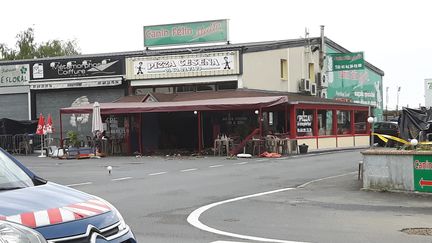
<point>28,49</point>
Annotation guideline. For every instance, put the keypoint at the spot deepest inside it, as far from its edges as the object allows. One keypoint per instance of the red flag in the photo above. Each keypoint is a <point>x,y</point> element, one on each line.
<point>49,126</point>
<point>41,125</point>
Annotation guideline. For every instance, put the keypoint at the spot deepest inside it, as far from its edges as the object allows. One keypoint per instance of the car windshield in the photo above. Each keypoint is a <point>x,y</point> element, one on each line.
<point>11,175</point>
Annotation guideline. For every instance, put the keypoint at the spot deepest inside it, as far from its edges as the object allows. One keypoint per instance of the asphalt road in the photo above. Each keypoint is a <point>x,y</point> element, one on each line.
<point>157,194</point>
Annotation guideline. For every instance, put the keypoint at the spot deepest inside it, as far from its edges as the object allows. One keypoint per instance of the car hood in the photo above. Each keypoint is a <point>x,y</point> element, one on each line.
<point>48,204</point>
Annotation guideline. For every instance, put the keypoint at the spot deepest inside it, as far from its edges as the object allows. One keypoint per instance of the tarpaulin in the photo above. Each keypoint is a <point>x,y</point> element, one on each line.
<point>12,127</point>
<point>415,123</point>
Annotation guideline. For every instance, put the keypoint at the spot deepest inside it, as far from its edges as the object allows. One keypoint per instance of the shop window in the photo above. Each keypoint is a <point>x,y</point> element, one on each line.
<point>360,122</point>
<point>304,122</point>
<point>206,87</point>
<point>186,88</point>
<point>164,90</point>
<point>143,91</point>
<point>344,122</point>
<point>227,85</point>
<point>325,123</point>
<point>284,69</point>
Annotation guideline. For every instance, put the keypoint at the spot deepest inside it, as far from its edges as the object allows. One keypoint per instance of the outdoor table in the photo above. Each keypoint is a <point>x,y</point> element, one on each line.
<point>220,143</point>
<point>257,144</point>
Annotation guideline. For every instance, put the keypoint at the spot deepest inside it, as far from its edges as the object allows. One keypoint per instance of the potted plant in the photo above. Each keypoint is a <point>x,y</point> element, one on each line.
<point>72,139</point>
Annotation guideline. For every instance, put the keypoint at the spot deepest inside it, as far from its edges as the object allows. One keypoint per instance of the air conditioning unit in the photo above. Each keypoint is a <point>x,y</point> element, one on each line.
<point>305,84</point>
<point>323,93</point>
<point>322,80</point>
<point>313,89</point>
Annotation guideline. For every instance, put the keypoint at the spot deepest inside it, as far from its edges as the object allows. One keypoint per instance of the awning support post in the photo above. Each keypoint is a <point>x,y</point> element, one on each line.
<point>61,130</point>
<point>199,133</point>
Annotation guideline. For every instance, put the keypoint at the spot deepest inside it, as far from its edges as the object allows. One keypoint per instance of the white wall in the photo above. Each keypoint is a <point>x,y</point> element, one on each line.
<point>261,70</point>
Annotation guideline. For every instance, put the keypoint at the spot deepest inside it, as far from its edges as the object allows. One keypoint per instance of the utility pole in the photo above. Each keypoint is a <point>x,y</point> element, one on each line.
<point>387,98</point>
<point>397,101</point>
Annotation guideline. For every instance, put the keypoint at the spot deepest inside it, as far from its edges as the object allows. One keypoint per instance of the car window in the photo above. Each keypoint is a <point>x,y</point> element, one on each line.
<point>377,125</point>
<point>11,175</point>
<point>393,126</point>
<point>385,126</point>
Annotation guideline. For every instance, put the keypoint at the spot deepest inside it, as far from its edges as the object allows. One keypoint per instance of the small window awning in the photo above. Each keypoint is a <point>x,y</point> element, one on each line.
<point>240,103</point>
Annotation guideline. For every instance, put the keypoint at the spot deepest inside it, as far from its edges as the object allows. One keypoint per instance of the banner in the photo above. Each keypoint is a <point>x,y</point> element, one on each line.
<point>186,33</point>
<point>14,75</point>
<point>187,65</point>
<point>347,61</point>
<point>422,173</point>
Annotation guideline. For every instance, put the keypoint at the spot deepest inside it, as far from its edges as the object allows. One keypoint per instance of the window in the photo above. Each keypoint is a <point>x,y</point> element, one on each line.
<point>164,90</point>
<point>304,122</point>
<point>284,69</point>
<point>360,122</point>
<point>344,122</point>
<point>186,88</point>
<point>227,85</point>
<point>325,123</point>
<point>311,72</point>
<point>143,91</point>
<point>204,87</point>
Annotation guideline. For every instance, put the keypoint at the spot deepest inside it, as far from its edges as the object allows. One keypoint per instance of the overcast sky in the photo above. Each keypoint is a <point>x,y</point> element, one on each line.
<point>395,36</point>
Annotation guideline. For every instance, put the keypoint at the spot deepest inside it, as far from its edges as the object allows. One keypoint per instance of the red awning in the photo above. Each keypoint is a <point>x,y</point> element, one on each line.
<point>241,103</point>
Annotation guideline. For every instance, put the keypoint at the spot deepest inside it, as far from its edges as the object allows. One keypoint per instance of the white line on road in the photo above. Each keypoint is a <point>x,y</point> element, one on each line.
<point>193,218</point>
<point>158,173</point>
<point>261,160</point>
<point>122,179</point>
<point>241,163</point>
<point>325,178</point>
<point>215,166</point>
<point>80,184</point>
<point>189,170</point>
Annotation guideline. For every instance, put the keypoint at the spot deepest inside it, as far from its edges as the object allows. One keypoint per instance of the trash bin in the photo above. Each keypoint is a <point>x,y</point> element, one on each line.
<point>303,148</point>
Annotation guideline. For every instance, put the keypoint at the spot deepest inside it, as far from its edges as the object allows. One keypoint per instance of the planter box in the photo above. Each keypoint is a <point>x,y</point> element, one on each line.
<point>401,170</point>
<point>78,153</point>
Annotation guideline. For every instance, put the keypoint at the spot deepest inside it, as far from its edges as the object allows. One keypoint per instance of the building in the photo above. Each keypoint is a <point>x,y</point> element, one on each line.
<point>310,103</point>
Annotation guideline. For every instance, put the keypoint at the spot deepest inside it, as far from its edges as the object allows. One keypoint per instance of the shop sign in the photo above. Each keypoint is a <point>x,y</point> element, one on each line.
<point>188,65</point>
<point>186,33</point>
<point>14,75</point>
<point>304,123</point>
<point>347,61</point>
<point>423,173</point>
<point>74,84</point>
<point>77,67</point>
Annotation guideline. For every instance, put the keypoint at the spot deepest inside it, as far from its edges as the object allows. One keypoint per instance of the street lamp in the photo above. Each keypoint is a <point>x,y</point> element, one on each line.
<point>371,120</point>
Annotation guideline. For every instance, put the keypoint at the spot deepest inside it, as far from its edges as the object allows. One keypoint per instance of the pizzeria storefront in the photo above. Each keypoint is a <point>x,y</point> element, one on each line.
<point>197,125</point>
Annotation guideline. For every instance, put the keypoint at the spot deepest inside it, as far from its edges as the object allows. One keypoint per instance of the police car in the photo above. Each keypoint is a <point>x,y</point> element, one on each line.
<point>33,210</point>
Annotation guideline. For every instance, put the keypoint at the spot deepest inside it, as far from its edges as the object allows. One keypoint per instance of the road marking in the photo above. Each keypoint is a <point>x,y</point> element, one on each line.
<point>261,160</point>
<point>222,241</point>
<point>193,218</point>
<point>189,170</point>
<point>122,179</point>
<point>325,178</point>
<point>158,173</point>
<point>241,163</point>
<point>215,166</point>
<point>80,184</point>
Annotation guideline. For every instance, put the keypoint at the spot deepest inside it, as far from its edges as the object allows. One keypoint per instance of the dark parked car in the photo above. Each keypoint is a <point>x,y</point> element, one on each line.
<point>388,128</point>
